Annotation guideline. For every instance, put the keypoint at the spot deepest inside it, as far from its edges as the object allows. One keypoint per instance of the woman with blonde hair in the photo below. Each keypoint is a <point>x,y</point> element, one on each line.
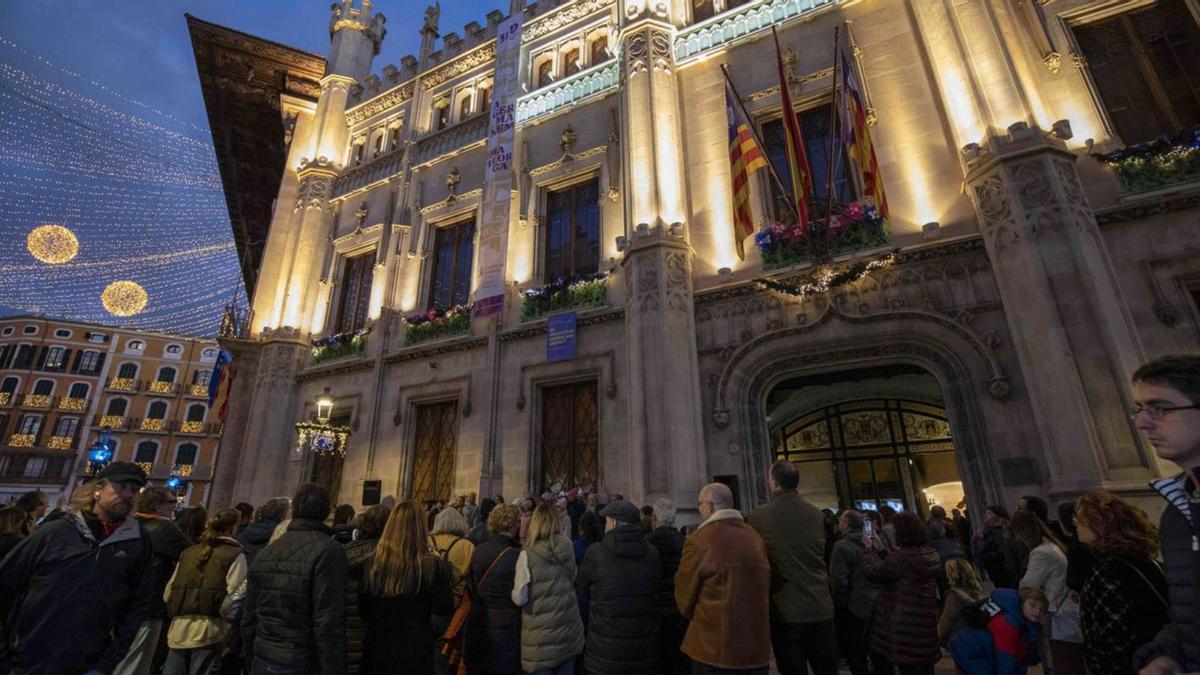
<point>965,591</point>
<point>405,586</point>
<point>196,596</point>
<point>1124,600</point>
<point>551,629</point>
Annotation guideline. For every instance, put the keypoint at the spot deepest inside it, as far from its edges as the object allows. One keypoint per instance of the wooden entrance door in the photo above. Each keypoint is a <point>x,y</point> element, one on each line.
<point>433,459</point>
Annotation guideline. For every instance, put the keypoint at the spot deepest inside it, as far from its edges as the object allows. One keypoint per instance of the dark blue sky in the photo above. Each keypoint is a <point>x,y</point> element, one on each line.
<point>103,130</point>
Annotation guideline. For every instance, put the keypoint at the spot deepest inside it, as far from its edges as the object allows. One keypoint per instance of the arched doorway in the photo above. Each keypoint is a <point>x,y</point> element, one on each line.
<point>868,437</point>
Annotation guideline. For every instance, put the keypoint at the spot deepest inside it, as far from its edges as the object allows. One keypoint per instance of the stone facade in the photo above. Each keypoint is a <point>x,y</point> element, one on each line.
<point>1027,283</point>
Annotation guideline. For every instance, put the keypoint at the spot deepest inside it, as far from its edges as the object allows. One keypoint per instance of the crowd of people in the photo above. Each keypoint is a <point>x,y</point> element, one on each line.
<point>121,581</point>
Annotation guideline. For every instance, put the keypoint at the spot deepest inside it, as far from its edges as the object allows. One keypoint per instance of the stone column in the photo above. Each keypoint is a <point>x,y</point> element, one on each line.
<point>1072,335</point>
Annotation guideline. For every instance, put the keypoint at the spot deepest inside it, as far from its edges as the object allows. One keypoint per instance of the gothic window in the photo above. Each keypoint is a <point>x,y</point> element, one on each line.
<point>355,297</point>
<point>441,115</point>
<point>573,231</point>
<point>359,151</point>
<point>43,387</point>
<point>433,460</point>
<point>146,452</point>
<point>127,371</point>
<point>814,128</point>
<point>195,412</point>
<point>89,361</point>
<point>66,427</point>
<point>599,50</point>
<point>464,107</point>
<point>570,436</point>
<point>453,254</point>
<point>485,97</point>
<point>1144,64</point>
<point>117,407</point>
<point>707,9</point>
<point>571,63</point>
<point>79,390</point>
<point>157,410</point>
<point>395,137</point>
<point>186,454</point>
<point>545,73</point>
<point>379,141</point>
<point>166,374</point>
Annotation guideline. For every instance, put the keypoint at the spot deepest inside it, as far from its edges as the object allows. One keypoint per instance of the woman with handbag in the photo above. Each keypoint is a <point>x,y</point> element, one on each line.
<point>492,632</point>
<point>551,630</point>
<point>1061,643</point>
<point>406,585</point>
<point>1123,604</point>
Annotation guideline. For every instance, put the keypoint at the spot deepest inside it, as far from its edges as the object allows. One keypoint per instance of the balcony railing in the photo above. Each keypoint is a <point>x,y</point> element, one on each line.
<point>152,424</point>
<point>146,466</point>
<point>60,442</point>
<point>378,169</point>
<point>739,23</point>
<point>451,139</point>
<point>182,470</point>
<point>35,467</point>
<point>189,427</point>
<point>198,390</point>
<point>160,387</point>
<point>73,404</point>
<point>6,398</point>
<point>599,79</point>
<point>37,401</point>
<point>113,421</point>
<point>22,440</point>
<point>122,384</point>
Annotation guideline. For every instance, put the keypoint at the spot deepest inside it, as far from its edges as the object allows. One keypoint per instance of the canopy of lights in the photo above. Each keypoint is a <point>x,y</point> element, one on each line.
<point>112,210</point>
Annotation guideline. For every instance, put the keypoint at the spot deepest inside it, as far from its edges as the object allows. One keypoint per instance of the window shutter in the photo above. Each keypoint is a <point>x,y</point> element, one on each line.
<point>66,359</point>
<point>78,358</point>
<point>100,363</point>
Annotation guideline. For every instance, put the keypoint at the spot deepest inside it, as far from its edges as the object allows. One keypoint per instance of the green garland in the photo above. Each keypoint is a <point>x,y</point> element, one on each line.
<point>826,278</point>
<point>1157,163</point>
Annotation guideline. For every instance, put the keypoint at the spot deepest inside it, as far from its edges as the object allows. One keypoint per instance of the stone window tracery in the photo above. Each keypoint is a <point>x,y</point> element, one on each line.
<point>814,127</point>
<point>453,263</point>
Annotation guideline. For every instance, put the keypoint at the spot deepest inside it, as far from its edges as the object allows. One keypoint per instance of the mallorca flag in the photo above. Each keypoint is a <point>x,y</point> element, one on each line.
<point>745,157</point>
<point>856,135</point>
<point>797,156</point>
<point>220,383</point>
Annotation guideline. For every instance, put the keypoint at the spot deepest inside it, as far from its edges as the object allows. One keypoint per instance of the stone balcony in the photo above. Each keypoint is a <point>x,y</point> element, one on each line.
<point>738,24</point>
<point>454,138</point>
<point>365,175</point>
<point>569,92</point>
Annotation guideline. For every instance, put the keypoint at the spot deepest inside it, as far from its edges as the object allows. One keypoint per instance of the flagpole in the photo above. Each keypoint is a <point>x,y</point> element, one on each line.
<point>749,122</point>
<point>833,143</point>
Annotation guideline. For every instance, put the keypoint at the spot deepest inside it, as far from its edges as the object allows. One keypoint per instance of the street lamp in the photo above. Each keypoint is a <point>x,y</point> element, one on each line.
<point>99,453</point>
<point>324,406</point>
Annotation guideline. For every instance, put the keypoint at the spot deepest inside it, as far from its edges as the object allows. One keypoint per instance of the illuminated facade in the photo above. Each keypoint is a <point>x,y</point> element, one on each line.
<point>62,382</point>
<point>990,359</point>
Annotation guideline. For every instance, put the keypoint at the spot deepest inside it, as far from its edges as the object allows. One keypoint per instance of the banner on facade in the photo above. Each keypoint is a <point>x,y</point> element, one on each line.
<point>560,337</point>
<point>498,172</point>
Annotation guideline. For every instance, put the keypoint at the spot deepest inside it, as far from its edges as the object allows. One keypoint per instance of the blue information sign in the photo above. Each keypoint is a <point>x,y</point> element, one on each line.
<point>560,337</point>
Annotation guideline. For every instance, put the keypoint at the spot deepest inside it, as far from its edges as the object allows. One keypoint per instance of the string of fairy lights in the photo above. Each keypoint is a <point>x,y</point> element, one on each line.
<point>114,208</point>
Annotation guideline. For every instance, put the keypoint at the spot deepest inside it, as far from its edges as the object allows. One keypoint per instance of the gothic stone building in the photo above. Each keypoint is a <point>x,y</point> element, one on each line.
<point>1036,269</point>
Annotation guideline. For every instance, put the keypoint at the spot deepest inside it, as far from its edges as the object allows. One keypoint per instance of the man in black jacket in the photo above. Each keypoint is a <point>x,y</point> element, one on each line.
<point>295,608</point>
<point>76,590</point>
<point>669,543</point>
<point>1167,409</point>
<point>153,508</point>
<point>620,577</point>
<point>257,534</point>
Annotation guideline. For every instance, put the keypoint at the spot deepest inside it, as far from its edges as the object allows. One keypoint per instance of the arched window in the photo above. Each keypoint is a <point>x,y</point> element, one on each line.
<point>359,150</point>
<point>464,107</point>
<point>202,377</point>
<point>599,50</point>
<point>173,350</point>
<point>545,73</point>
<point>31,425</point>
<point>195,412</point>
<point>117,407</point>
<point>441,115</point>
<point>209,353</point>
<point>378,145</point>
<point>56,358</point>
<point>10,385</point>
<point>186,453</point>
<point>571,63</point>
<point>166,374</point>
<point>157,410</point>
<point>394,137</point>
<point>43,387</point>
<point>485,98</point>
<point>146,452</point>
<point>79,390</point>
<point>89,361</point>
<point>127,371</point>
<point>135,345</point>
<point>66,427</point>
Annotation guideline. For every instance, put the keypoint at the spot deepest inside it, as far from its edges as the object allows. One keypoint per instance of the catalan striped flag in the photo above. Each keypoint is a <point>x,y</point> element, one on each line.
<point>745,157</point>
<point>797,156</point>
<point>856,135</point>
<point>220,383</point>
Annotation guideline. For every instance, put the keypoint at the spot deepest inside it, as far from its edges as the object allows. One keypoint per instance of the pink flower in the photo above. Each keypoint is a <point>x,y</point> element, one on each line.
<point>431,314</point>
<point>854,211</point>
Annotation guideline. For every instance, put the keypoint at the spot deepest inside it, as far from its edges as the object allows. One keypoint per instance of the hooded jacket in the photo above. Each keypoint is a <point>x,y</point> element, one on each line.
<point>551,630</point>
<point>74,601</point>
<point>620,578</point>
<point>1179,538</point>
<point>1004,646</point>
<point>255,536</point>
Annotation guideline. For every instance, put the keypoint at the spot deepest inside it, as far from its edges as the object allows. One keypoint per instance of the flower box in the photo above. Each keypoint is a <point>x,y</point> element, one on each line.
<point>590,290</point>
<point>436,324</point>
<point>1158,163</point>
<point>339,346</point>
<point>858,226</point>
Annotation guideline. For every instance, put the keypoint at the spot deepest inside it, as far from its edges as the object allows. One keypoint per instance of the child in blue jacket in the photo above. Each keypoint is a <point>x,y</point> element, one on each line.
<point>1002,636</point>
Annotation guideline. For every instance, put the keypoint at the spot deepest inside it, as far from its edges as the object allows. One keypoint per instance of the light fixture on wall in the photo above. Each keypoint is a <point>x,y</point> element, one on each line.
<point>324,406</point>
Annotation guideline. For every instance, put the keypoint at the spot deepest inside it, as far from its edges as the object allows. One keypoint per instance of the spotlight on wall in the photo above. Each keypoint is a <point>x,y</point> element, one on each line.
<point>724,274</point>
<point>1062,130</point>
<point>930,231</point>
<point>971,152</point>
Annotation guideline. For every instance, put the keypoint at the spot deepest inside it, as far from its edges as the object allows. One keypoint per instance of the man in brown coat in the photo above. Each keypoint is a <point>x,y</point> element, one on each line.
<point>802,630</point>
<point>722,587</point>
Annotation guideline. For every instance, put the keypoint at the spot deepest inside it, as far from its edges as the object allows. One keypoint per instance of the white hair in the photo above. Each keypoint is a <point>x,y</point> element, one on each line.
<point>664,511</point>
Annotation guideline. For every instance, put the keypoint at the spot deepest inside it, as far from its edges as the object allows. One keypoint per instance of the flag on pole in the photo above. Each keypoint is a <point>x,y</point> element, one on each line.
<point>745,157</point>
<point>220,383</point>
<point>797,156</point>
<point>856,135</point>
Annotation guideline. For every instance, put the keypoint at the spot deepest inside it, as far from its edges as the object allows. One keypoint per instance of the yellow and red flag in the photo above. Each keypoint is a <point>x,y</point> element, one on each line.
<point>797,156</point>
<point>745,157</point>
<point>856,135</point>
<point>220,383</point>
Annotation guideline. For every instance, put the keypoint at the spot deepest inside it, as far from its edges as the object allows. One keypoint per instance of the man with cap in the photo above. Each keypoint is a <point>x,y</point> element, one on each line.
<point>76,590</point>
<point>619,578</point>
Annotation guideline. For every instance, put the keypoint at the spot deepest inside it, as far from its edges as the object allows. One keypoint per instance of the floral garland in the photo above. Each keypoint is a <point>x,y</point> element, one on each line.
<point>338,345</point>
<point>1157,163</point>
<point>826,278</point>
<point>858,226</point>
<point>437,323</point>
<point>581,290</point>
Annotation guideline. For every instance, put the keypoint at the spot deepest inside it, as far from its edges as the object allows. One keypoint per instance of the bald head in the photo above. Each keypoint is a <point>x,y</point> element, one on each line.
<point>719,494</point>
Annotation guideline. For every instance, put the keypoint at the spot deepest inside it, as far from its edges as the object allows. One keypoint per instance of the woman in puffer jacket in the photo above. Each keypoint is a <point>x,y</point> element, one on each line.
<point>551,630</point>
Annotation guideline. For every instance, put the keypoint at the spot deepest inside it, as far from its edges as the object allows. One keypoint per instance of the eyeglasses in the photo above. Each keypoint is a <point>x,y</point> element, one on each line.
<point>1158,412</point>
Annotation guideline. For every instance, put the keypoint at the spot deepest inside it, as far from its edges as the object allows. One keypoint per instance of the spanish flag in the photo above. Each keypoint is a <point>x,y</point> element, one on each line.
<point>220,383</point>
<point>797,156</point>
<point>856,135</point>
<point>745,157</point>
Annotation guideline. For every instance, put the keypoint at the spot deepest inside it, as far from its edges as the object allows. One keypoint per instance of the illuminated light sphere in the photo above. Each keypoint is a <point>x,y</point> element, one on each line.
<point>124,298</point>
<point>52,244</point>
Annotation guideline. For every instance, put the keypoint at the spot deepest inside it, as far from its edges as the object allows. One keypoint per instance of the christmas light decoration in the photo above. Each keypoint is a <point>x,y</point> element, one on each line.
<point>124,298</point>
<point>52,244</point>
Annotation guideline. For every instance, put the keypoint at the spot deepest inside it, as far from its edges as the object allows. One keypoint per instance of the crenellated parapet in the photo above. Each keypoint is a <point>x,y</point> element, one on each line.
<point>348,17</point>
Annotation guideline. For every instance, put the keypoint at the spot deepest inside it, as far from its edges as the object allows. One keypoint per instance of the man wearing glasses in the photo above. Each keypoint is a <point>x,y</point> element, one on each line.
<point>1167,409</point>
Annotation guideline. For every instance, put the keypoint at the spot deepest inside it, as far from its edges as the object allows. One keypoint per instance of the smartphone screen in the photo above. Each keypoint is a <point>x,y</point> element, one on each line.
<point>868,529</point>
